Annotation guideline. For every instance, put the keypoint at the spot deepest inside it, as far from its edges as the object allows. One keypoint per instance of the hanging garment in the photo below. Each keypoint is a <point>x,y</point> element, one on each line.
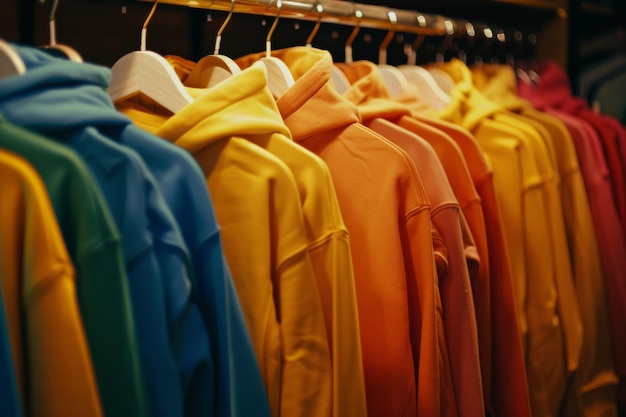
<point>390,237</point>
<point>509,389</point>
<point>94,245</point>
<point>46,332</point>
<point>274,277</point>
<point>528,208</point>
<point>369,93</point>
<point>330,256</point>
<point>595,376</point>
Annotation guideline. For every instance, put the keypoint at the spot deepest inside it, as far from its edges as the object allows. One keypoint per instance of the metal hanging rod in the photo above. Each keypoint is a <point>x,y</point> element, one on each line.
<point>332,11</point>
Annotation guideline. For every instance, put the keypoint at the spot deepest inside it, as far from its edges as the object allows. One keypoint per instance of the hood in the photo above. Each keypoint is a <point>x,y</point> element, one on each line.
<point>311,106</point>
<point>499,84</point>
<point>242,105</point>
<point>58,95</point>
<point>369,92</point>
<point>468,106</point>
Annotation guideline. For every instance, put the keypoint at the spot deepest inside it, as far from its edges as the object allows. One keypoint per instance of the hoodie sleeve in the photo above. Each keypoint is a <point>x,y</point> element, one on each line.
<point>306,371</point>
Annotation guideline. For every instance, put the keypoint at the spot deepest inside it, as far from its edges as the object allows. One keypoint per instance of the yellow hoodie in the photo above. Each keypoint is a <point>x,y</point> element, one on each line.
<point>329,248</point>
<point>50,351</point>
<point>547,305</point>
<point>260,214</point>
<point>596,376</point>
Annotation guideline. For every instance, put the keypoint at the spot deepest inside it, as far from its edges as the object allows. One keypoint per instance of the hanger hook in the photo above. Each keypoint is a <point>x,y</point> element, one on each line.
<point>449,25</point>
<point>268,39</point>
<point>382,50</point>
<point>320,9</point>
<point>218,38</point>
<point>51,19</point>
<point>144,28</point>
<point>348,48</point>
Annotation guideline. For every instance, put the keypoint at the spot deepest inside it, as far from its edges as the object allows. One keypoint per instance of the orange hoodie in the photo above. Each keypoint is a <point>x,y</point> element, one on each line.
<point>50,351</point>
<point>596,376</point>
<point>260,215</point>
<point>387,214</point>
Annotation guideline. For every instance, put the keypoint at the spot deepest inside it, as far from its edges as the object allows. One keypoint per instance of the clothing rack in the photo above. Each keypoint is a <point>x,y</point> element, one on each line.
<point>332,11</point>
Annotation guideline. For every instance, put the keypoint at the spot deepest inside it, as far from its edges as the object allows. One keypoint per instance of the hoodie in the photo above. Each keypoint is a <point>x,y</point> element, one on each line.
<point>329,247</point>
<point>256,200</point>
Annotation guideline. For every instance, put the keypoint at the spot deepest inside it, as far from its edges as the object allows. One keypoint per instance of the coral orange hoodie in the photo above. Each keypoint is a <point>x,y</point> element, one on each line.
<point>387,214</point>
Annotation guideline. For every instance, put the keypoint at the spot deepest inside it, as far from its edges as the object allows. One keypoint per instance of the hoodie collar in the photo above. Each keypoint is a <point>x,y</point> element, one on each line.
<point>468,106</point>
<point>311,106</point>
<point>369,92</point>
<point>58,95</point>
<point>242,105</point>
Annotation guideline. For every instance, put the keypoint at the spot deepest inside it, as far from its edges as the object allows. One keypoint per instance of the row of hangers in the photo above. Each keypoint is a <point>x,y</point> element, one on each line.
<point>148,73</point>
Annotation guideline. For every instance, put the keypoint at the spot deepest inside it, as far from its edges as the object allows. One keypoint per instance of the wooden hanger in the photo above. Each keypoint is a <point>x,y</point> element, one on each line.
<point>148,73</point>
<point>64,50</point>
<point>395,81</point>
<point>10,62</point>
<point>213,69</point>
<point>279,78</point>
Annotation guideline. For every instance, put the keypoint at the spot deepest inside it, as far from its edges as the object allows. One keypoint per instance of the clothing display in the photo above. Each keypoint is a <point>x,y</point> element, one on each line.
<point>281,234</point>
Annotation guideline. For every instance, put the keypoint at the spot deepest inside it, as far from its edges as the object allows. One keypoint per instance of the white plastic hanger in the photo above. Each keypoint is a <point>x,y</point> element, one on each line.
<point>10,62</point>
<point>213,69</point>
<point>395,81</point>
<point>427,89</point>
<point>148,73</point>
<point>443,80</point>
<point>66,50</point>
<point>279,78</point>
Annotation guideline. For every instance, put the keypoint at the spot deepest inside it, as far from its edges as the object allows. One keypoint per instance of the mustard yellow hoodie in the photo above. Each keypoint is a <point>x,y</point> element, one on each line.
<point>596,376</point>
<point>547,305</point>
<point>49,346</point>
<point>260,214</point>
<point>329,247</point>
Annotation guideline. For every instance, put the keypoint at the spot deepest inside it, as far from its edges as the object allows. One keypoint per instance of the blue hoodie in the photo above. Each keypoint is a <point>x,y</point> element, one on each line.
<point>46,101</point>
<point>237,384</point>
